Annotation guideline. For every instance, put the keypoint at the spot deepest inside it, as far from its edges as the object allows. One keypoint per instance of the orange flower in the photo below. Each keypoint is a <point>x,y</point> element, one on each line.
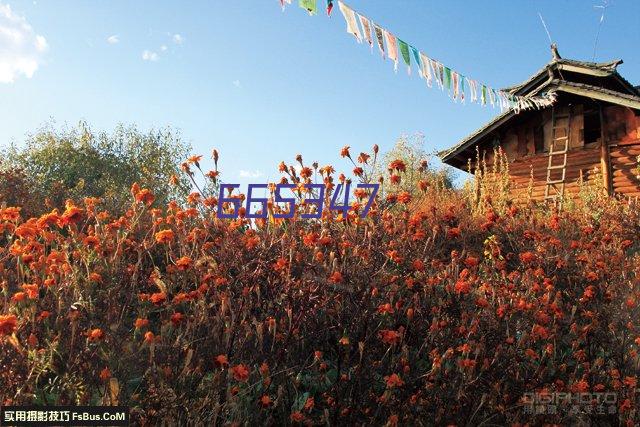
<point>296,417</point>
<point>105,374</point>
<point>393,380</point>
<point>363,158</point>
<point>177,318</point>
<point>630,382</point>
<point>527,257</point>
<point>344,341</point>
<point>345,151</point>
<point>265,401</point>
<point>240,372</point>
<point>95,277</point>
<point>385,309</point>
<point>184,263</point>
<point>309,404</point>
<point>158,298</point>
<point>141,323</point>
<point>91,241</point>
<point>164,236</point>
<point>336,277</point>
<point>390,336</point>
<point>195,160</point>
<point>149,337</point>
<point>10,214</point>
<point>72,213</point>
<point>95,334</point>
<point>404,197</point>
<point>31,290</point>
<point>462,287</point>
<point>8,324</point>
<point>398,165</point>
<point>18,296</point>
<point>145,196</point>
<point>221,360</point>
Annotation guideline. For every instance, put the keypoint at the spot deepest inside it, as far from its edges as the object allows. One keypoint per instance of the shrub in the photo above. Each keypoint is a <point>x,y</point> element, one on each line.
<point>438,315</point>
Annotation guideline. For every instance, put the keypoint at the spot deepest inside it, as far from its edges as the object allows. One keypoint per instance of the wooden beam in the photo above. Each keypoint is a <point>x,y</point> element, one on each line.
<point>584,70</point>
<point>595,94</point>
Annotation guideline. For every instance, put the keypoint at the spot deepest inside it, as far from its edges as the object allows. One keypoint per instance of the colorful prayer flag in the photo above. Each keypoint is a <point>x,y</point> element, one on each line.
<point>404,50</point>
<point>426,68</point>
<point>455,81</point>
<point>350,18</point>
<point>329,7</point>
<point>447,77</point>
<point>310,6</point>
<point>416,57</point>
<point>379,38</point>
<point>392,48</point>
<point>366,29</point>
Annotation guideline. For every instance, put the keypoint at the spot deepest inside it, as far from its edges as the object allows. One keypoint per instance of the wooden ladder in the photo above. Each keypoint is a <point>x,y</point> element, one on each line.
<point>558,148</point>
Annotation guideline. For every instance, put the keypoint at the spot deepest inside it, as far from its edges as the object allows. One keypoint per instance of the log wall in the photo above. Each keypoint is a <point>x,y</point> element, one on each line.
<point>528,169</point>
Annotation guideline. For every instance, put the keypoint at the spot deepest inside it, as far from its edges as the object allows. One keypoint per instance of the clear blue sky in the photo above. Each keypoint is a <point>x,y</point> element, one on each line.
<point>262,85</point>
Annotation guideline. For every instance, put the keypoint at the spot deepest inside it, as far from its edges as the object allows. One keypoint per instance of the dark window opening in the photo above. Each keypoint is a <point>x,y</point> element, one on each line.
<point>538,139</point>
<point>592,127</point>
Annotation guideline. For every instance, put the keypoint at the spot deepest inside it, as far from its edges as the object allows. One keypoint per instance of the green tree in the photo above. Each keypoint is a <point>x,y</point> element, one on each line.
<point>75,163</point>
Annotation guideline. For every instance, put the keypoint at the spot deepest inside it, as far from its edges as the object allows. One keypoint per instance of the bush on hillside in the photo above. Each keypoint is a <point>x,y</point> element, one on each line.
<point>412,317</point>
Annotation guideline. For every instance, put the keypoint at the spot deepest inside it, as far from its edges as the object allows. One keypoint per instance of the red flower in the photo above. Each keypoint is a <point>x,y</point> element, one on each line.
<point>527,257</point>
<point>8,324</point>
<point>398,165</point>
<point>141,323</point>
<point>164,236</point>
<point>240,372</point>
<point>184,263</point>
<point>393,380</point>
<point>336,277</point>
<point>390,336</point>
<point>95,335</point>
<point>158,298</point>
<point>221,360</point>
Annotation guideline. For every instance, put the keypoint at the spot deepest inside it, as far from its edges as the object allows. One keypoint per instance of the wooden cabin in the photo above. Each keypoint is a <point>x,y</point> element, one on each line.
<point>591,133</point>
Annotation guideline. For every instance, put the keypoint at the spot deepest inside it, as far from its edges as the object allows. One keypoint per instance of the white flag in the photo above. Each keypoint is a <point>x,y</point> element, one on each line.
<point>392,48</point>
<point>352,23</point>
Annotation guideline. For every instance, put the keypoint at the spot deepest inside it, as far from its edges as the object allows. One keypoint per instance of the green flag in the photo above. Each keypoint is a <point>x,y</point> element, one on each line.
<point>484,95</point>
<point>404,49</point>
<point>447,77</point>
<point>309,5</point>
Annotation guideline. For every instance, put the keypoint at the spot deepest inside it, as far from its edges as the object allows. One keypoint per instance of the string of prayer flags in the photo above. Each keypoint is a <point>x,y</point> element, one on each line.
<point>350,18</point>
<point>428,68</point>
<point>366,29</point>
<point>310,6</point>
<point>404,50</point>
<point>392,48</point>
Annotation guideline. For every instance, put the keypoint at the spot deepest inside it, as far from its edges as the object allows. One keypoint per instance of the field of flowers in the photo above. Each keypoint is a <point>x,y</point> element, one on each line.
<point>431,310</point>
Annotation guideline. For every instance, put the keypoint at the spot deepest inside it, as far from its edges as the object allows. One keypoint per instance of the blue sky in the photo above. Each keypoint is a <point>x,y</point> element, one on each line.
<point>262,85</point>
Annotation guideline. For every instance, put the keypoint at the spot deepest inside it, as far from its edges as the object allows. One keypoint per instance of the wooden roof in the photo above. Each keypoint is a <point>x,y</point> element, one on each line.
<point>598,81</point>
